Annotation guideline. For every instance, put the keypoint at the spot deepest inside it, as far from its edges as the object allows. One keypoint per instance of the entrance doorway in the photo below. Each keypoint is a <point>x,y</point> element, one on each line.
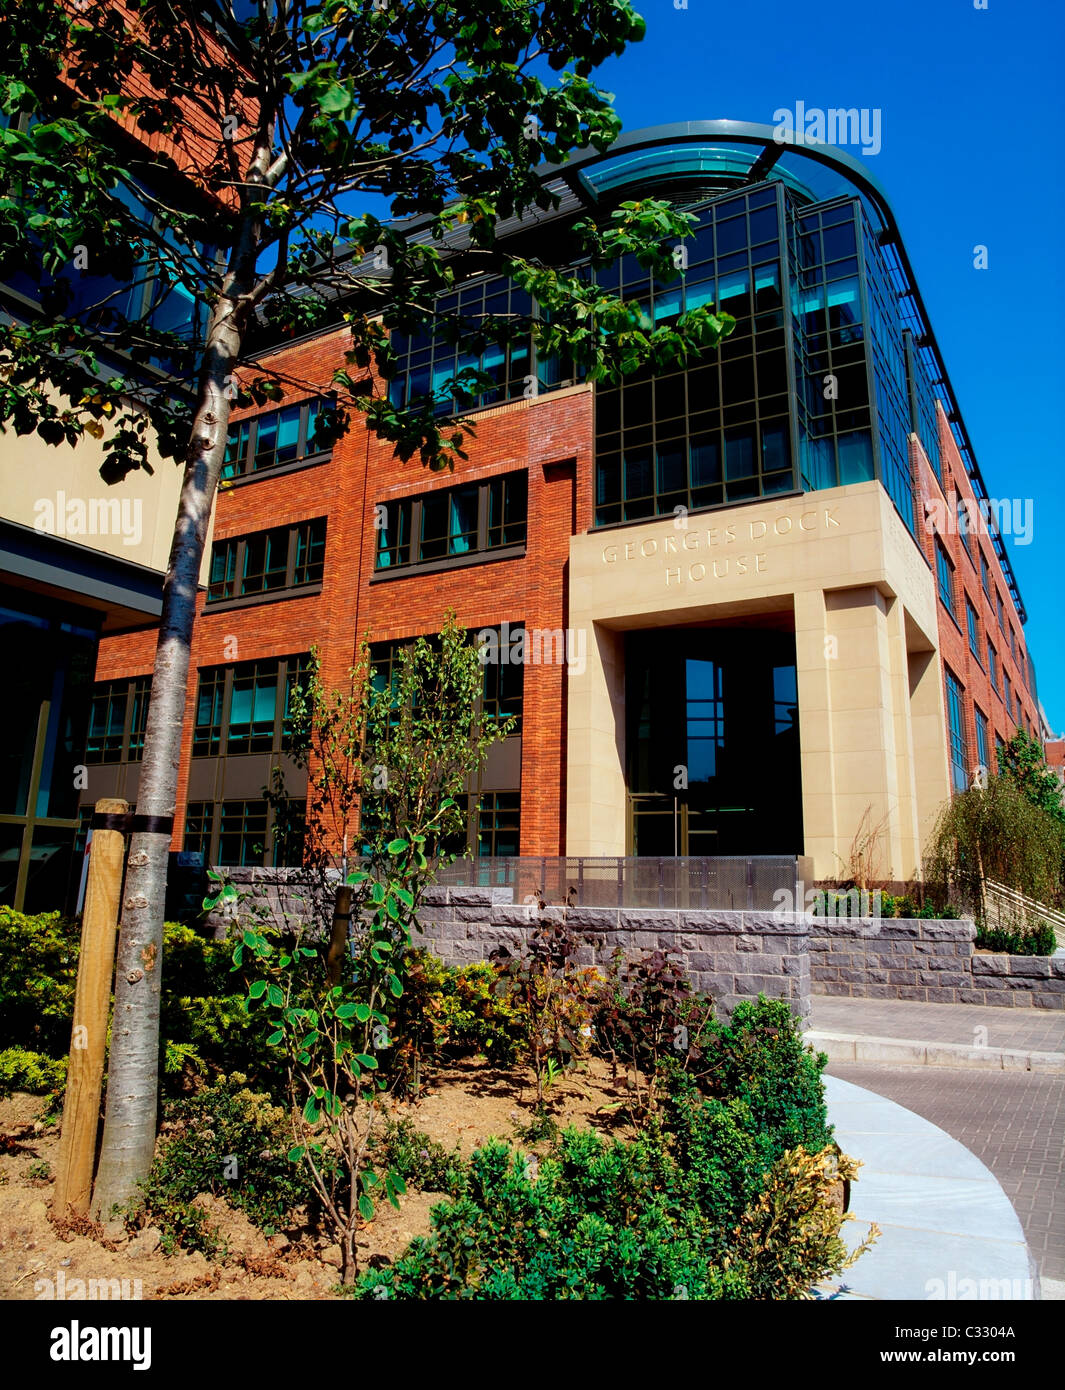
<point>713,742</point>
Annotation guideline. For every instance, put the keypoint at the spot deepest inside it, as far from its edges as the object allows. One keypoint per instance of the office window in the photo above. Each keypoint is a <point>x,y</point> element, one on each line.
<point>117,719</point>
<point>981,737</point>
<point>945,579</point>
<point>985,577</point>
<point>245,708</point>
<point>1007,694</point>
<point>955,717</point>
<point>1001,614</point>
<point>242,833</point>
<point>1000,748</point>
<point>279,437</point>
<point>963,527</point>
<point>992,666</point>
<point>974,631</point>
<point>452,523</point>
<point>499,824</point>
<point>1013,642</point>
<point>268,561</point>
<point>199,822</point>
<point>504,683</point>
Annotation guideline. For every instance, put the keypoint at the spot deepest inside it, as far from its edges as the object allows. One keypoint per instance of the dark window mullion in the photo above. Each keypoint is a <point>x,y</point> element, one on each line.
<point>227,699</point>
<point>290,555</point>
<point>279,702</point>
<point>127,723</point>
<point>416,531</point>
<point>482,515</point>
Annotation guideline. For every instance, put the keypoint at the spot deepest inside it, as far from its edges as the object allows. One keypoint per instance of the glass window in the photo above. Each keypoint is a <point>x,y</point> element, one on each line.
<point>117,720</point>
<point>945,579</point>
<point>253,708</point>
<point>275,438</point>
<point>985,578</point>
<point>955,717</point>
<point>992,666</point>
<point>981,736</point>
<point>242,833</point>
<point>268,561</point>
<point>499,824</point>
<point>972,623</point>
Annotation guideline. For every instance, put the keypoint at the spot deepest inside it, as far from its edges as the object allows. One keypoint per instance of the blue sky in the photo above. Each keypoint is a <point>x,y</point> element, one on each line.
<point>971,103</point>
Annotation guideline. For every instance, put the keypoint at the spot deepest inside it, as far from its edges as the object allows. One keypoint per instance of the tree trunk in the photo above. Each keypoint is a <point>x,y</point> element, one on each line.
<point>133,1065</point>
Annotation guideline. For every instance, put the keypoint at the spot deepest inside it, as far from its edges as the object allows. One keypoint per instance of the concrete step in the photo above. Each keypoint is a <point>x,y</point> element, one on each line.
<point>859,1047</point>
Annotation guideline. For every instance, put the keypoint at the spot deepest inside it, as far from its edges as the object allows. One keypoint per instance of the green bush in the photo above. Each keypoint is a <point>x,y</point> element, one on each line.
<point>21,1070</point>
<point>723,1195</point>
<point>420,1161</point>
<point>1025,941</point>
<point>759,1058</point>
<point>38,974</point>
<point>203,1024</point>
<point>232,1142</point>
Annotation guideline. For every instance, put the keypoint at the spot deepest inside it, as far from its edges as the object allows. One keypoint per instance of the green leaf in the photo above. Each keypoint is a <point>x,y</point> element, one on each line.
<point>365,1208</point>
<point>275,1038</point>
<point>310,1111</point>
<point>347,1011</point>
<point>362,1012</point>
<point>364,1060</point>
<point>257,989</point>
<point>297,1152</point>
<point>396,846</point>
<point>275,996</point>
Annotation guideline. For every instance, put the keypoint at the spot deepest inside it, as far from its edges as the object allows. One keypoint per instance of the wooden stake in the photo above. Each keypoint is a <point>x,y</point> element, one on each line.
<point>338,940</point>
<point>92,1003</point>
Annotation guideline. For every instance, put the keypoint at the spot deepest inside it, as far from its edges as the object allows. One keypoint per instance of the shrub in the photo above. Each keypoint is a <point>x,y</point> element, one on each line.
<point>448,1012</point>
<point>1024,941</point>
<point>229,1141</point>
<point>21,1070</point>
<point>792,1229</point>
<point>419,1160</point>
<point>38,974</point>
<point>696,1216</point>
<point>760,1058</point>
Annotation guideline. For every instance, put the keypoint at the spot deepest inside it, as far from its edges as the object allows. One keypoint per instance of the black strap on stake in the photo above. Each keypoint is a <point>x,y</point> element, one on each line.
<point>131,824</point>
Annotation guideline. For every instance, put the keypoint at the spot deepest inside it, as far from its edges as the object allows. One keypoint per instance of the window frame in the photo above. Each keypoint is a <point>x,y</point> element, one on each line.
<point>957,749</point>
<point>482,552</point>
<point>238,547</point>
<point>244,468</point>
<point>131,746</point>
<point>218,744</point>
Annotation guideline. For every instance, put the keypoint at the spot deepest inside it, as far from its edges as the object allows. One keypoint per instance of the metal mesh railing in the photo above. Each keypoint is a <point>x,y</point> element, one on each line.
<point>742,882</point>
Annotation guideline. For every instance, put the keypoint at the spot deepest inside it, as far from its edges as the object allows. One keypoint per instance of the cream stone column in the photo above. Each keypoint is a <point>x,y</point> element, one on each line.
<point>865,768</point>
<point>928,722</point>
<point>597,802</point>
<point>816,754</point>
<point>905,767</point>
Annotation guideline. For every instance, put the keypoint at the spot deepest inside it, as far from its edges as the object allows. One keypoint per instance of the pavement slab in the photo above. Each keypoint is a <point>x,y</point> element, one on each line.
<point>947,1227</point>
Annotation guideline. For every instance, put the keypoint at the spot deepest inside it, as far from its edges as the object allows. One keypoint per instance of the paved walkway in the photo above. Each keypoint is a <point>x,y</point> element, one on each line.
<point>942,1035</point>
<point>947,1228</point>
<point>1012,1121</point>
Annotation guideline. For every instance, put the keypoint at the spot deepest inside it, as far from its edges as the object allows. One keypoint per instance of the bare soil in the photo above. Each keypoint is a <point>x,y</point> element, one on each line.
<point>460,1108</point>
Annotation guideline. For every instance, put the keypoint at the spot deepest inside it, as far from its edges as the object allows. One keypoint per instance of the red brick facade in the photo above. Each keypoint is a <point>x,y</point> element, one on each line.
<point>553,439</point>
<point>937,504</point>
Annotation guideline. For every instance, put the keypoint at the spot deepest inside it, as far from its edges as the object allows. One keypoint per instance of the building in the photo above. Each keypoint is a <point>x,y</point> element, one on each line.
<point>82,557</point>
<point>761,605</point>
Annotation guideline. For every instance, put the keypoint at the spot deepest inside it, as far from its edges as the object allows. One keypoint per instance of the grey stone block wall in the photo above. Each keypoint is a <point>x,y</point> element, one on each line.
<point>927,960</point>
<point>728,955</point>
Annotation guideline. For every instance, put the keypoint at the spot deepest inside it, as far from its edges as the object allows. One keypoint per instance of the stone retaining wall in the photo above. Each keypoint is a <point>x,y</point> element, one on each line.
<point>729,955</point>
<point>928,960</point>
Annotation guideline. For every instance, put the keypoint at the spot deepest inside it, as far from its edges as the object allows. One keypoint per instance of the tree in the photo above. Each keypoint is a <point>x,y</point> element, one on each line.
<point>401,751</point>
<point>995,834</point>
<point>1022,760</point>
<point>294,117</point>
